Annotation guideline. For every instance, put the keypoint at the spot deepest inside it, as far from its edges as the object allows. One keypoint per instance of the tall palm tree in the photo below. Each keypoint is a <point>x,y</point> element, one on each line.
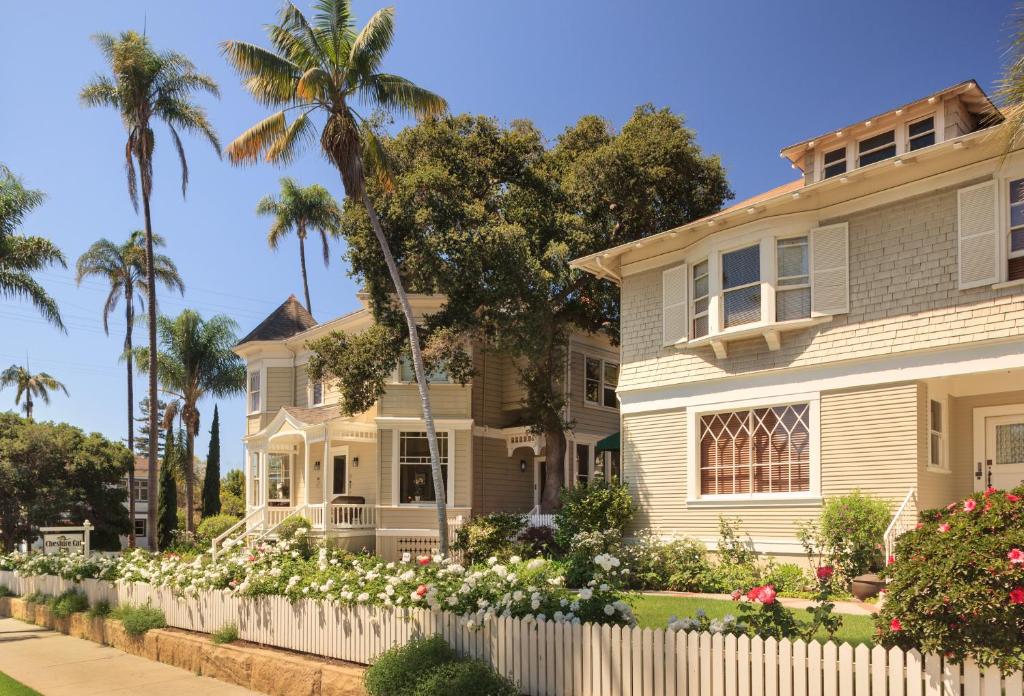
<point>302,210</point>
<point>147,85</point>
<point>21,255</point>
<point>28,385</point>
<point>321,68</point>
<point>124,267</point>
<point>195,361</point>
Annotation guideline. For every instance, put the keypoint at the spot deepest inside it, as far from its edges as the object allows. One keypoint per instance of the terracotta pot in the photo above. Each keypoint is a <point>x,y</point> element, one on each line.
<point>867,585</point>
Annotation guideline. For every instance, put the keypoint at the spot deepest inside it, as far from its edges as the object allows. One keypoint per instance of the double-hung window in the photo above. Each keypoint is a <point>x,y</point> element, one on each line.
<point>1015,247</point>
<point>700,293</point>
<point>279,479</point>
<point>601,379</point>
<point>876,148</point>
<point>406,372</point>
<point>254,391</point>
<point>793,284</point>
<point>741,286</point>
<point>317,393</point>
<point>415,478</point>
<point>141,490</point>
<point>140,526</point>
<point>921,133</point>
<point>757,450</point>
<point>936,436</point>
<point>835,162</point>
<point>254,478</point>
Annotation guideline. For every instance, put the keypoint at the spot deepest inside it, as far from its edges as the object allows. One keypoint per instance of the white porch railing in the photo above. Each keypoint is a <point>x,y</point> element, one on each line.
<point>252,519</point>
<point>277,515</point>
<point>536,518</point>
<point>903,521</point>
<point>348,516</point>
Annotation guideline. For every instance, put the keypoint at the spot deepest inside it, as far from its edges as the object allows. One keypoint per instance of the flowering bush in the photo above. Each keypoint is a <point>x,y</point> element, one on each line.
<point>956,584</point>
<point>596,507</point>
<point>673,564</point>
<point>848,533</point>
<point>489,535</point>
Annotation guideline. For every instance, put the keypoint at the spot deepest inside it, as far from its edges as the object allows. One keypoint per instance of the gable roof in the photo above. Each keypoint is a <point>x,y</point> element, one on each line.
<point>284,322</point>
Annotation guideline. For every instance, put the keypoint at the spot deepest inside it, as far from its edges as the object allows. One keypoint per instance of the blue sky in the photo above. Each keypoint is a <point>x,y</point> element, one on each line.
<point>750,76</point>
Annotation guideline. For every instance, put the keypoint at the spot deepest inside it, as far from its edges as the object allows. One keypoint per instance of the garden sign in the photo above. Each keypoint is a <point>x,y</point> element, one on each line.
<point>67,539</point>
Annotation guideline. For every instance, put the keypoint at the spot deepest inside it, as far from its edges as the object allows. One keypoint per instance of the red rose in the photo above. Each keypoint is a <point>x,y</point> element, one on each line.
<point>895,625</point>
<point>736,594</point>
<point>1012,498</point>
<point>890,560</point>
<point>1017,595</point>
<point>989,491</point>
<point>423,560</point>
<point>754,593</point>
<point>767,595</point>
<point>421,590</point>
<point>825,573</point>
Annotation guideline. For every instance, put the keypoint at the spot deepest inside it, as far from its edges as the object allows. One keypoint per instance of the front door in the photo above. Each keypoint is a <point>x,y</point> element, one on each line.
<point>540,474</point>
<point>1003,467</point>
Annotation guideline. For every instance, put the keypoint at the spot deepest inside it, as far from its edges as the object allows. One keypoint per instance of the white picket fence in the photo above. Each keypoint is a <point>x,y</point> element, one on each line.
<point>559,659</point>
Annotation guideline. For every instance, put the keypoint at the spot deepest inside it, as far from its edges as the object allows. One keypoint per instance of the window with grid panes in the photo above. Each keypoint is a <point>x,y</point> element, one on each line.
<point>741,286</point>
<point>793,281</point>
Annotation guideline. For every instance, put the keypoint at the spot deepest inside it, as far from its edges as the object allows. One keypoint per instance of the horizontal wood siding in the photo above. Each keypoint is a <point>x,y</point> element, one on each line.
<point>446,401</point>
<point>280,388</point>
<point>301,386</point>
<point>384,448</point>
<point>416,517</point>
<point>512,391</point>
<point>498,483</point>
<point>487,388</point>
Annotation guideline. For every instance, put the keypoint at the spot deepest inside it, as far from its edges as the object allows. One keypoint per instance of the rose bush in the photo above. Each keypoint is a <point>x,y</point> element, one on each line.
<point>956,583</point>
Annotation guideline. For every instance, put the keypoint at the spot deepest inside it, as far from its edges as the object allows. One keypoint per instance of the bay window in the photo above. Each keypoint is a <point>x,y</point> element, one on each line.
<point>415,478</point>
<point>1015,267</point>
<point>741,286</point>
<point>700,292</point>
<point>254,392</point>
<point>793,280</point>
<point>755,451</point>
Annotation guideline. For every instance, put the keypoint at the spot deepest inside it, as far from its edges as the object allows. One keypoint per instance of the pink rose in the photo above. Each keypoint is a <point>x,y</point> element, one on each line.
<point>895,625</point>
<point>989,491</point>
<point>970,504</point>
<point>754,593</point>
<point>421,590</point>
<point>1012,498</point>
<point>767,595</point>
<point>1016,556</point>
<point>736,594</point>
<point>943,527</point>
<point>1017,595</point>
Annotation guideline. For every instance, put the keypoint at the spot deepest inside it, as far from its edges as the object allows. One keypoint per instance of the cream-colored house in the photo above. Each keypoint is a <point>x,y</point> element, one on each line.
<point>861,327</point>
<point>364,481</point>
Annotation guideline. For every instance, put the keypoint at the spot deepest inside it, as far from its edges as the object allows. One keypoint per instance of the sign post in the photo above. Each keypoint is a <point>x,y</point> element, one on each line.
<point>67,539</point>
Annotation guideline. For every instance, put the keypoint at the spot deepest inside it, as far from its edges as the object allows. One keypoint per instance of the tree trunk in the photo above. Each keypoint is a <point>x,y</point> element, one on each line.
<point>421,377</point>
<point>154,432</point>
<point>302,262</point>
<point>554,448</point>
<point>190,476</point>
<point>129,317</point>
<point>28,404</point>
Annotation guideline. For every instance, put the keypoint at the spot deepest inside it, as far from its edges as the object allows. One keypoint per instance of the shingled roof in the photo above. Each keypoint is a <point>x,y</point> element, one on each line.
<point>284,322</point>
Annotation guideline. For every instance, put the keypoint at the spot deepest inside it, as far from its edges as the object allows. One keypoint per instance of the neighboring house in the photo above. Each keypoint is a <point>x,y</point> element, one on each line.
<point>861,327</point>
<point>141,504</point>
<point>373,470</point>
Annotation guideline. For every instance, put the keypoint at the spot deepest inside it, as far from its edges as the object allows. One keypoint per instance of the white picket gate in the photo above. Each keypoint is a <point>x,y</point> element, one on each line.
<point>562,659</point>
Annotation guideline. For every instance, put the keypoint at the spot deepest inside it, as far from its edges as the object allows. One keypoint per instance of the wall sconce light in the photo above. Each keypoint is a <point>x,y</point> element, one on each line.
<point>522,465</point>
<point>355,462</point>
<point>316,466</point>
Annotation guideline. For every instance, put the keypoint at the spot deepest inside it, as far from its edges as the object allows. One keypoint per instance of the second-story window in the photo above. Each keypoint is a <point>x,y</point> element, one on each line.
<point>921,133</point>
<point>601,379</point>
<point>317,396</point>
<point>699,310</point>
<point>406,373</point>
<point>254,392</point>
<point>835,162</point>
<point>876,148</point>
<point>793,289</point>
<point>141,490</point>
<point>741,286</point>
<point>1015,269</point>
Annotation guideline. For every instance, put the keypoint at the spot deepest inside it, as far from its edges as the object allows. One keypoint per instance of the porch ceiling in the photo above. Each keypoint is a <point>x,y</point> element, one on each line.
<point>982,383</point>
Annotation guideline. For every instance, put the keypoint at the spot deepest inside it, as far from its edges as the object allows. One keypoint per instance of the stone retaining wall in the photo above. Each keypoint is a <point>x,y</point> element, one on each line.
<point>259,669</point>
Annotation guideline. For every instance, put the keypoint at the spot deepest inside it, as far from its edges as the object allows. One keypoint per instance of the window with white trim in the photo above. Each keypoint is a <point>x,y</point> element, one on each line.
<point>254,478</point>
<point>316,393</point>
<point>254,391</point>
<point>279,479</point>
<point>1015,243</point>
<point>757,450</point>
<point>701,299</point>
<point>793,280</point>
<point>876,148</point>
<point>406,373</point>
<point>921,133</point>
<point>936,435</point>
<point>741,286</point>
<point>415,478</point>
<point>140,526</point>
<point>600,380</point>
<point>835,162</point>
<point>141,490</point>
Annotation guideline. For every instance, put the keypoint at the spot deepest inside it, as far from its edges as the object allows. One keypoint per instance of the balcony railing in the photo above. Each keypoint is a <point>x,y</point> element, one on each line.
<point>348,516</point>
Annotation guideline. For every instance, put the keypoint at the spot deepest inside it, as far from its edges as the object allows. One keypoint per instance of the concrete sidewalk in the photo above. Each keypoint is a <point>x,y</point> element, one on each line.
<point>57,665</point>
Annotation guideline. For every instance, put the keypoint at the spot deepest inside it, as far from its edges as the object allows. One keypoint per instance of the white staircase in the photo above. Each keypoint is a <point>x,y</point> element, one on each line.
<point>903,521</point>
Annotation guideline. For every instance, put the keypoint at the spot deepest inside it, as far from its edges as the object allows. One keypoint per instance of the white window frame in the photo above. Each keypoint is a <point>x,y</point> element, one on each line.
<point>812,496</point>
<point>694,314</point>
<point>1012,173</point>
<point>258,392</point>
<point>906,131</point>
<point>776,280</point>
<point>396,469</point>
<point>760,282</point>
<point>135,527</point>
<point>254,495</point>
<point>943,453</point>
<point>1008,237</point>
<point>601,384</point>
<point>291,477</point>
<point>895,145</point>
<point>140,485</point>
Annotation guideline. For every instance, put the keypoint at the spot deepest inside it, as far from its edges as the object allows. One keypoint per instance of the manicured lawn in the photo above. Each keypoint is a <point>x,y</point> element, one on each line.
<point>9,687</point>
<point>653,611</point>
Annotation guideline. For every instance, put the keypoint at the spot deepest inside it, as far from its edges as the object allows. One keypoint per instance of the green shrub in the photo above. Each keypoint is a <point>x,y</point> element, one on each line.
<point>675,564</point>
<point>489,535</point>
<point>788,579</point>
<point>289,529</point>
<point>465,678</point>
<point>539,541</point>
<point>36,597</point>
<point>583,548</point>
<point>139,619</point>
<point>957,584</point>
<point>213,526</point>
<point>396,672</point>
<point>66,604</point>
<point>5,591</point>
<point>100,608</point>
<point>733,545</point>
<point>852,527</point>
<point>596,507</point>
<point>728,576</point>
<point>228,633</point>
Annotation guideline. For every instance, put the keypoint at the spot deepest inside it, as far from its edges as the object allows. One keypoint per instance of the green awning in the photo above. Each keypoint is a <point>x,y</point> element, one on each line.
<point>608,444</point>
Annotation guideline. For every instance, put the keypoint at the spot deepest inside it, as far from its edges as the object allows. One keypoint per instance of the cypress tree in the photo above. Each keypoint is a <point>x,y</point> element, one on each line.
<point>211,482</point>
<point>167,507</point>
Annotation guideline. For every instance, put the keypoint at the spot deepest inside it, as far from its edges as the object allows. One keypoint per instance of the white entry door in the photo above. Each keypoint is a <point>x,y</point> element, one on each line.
<point>1004,452</point>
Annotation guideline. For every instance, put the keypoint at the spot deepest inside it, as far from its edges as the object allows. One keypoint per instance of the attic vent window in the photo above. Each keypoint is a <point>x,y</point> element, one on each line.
<point>921,133</point>
<point>835,162</point>
<point>877,148</point>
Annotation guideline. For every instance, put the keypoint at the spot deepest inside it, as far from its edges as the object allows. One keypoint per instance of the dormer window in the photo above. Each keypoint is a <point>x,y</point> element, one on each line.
<point>921,133</point>
<point>876,148</point>
<point>741,286</point>
<point>835,162</point>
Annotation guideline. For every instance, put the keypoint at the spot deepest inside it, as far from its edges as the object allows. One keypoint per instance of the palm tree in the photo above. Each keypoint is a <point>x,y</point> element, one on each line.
<point>195,361</point>
<point>321,68</point>
<point>303,210</point>
<point>20,255</point>
<point>124,267</point>
<point>147,85</point>
<point>28,385</point>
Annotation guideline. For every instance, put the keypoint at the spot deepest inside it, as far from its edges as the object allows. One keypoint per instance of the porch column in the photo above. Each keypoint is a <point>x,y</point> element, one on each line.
<point>308,470</point>
<point>327,470</point>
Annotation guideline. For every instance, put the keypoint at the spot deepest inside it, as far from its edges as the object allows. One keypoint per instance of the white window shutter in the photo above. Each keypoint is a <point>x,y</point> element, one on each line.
<point>673,305</point>
<point>977,235</point>
<point>830,270</point>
